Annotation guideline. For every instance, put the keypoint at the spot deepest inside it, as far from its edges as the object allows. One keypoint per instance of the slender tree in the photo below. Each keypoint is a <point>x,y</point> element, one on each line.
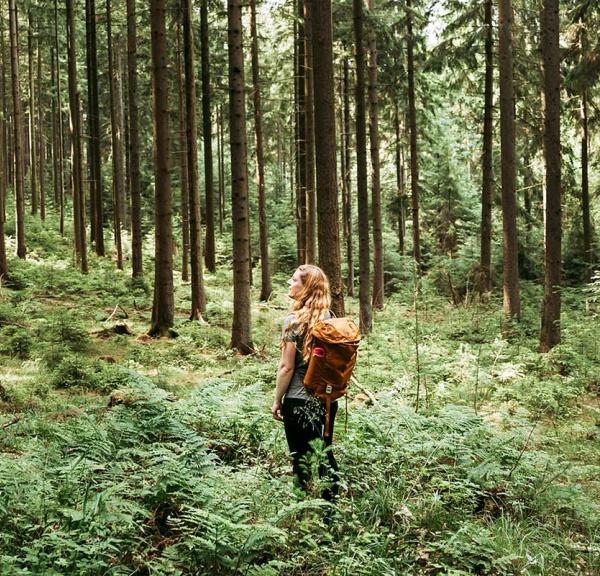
<point>512,305</point>
<point>241,334</point>
<point>399,180</point>
<point>209,215</point>
<point>41,136</point>
<point>325,144</point>
<point>221,164</point>
<point>378,280</point>
<point>59,146</point>
<point>266,289</point>
<point>364,288</point>
<point>309,136</point>
<point>18,130</point>
<point>116,115</point>
<point>412,122</point>
<point>31,115</point>
<point>485,281</point>
<point>183,160</point>
<point>198,299</point>
<point>300,132</point>
<point>347,176</point>
<point>94,144</point>
<point>3,180</point>
<point>134,144</point>
<point>163,307</point>
<point>550,332</point>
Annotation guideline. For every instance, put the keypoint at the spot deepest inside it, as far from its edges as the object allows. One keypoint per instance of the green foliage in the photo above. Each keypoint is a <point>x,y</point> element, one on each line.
<point>15,341</point>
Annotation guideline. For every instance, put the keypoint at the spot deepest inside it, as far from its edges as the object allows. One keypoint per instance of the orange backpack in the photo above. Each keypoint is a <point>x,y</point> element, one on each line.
<point>332,358</point>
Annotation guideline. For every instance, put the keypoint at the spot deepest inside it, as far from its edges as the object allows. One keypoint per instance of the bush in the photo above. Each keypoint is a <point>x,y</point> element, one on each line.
<point>66,330</point>
<point>15,341</point>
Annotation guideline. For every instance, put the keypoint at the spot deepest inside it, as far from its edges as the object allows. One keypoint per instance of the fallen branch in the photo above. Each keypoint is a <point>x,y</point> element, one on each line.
<point>366,392</point>
<point>7,424</point>
<point>117,307</point>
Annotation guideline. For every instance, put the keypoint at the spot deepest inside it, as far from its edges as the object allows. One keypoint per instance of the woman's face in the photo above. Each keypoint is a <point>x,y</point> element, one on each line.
<point>295,285</point>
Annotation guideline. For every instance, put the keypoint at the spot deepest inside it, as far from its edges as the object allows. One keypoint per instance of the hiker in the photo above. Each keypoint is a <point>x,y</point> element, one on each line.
<point>303,415</point>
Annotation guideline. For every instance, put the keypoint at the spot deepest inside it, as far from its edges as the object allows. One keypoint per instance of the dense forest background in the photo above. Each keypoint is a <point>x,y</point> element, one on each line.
<point>165,166</point>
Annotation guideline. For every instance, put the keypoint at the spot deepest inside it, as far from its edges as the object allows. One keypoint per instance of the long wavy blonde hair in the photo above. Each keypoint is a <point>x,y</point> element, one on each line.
<point>311,304</point>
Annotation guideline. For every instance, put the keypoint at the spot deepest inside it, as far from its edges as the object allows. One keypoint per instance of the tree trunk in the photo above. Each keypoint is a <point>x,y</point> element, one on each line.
<point>60,132</point>
<point>412,121</point>
<point>209,213</point>
<point>485,281</point>
<point>266,289</point>
<point>241,336</point>
<point>220,154</point>
<point>55,144</point>
<point>163,305</point>
<point>32,127</point>
<point>399,180</point>
<point>588,256</point>
<point>41,139</point>
<point>6,158</point>
<point>198,299</point>
<point>347,177</point>
<point>134,144</point>
<point>364,288</point>
<point>512,305</point>
<point>309,136</point>
<point>378,280</point>
<point>76,167</point>
<point>18,131</point>
<point>116,114</point>
<point>183,160</point>
<point>550,332</point>
<point>301,133</point>
<point>325,144</point>
<point>3,180</point>
<point>94,144</point>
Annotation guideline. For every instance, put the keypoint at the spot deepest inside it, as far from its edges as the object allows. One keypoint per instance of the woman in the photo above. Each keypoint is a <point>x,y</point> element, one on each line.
<point>303,416</point>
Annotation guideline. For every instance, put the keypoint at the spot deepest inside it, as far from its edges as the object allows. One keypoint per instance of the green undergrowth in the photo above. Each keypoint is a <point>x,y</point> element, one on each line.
<point>120,454</point>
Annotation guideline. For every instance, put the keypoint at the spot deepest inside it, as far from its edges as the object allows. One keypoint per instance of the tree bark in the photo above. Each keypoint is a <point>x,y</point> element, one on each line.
<point>134,145</point>
<point>550,332</point>
<point>309,137</point>
<point>209,215</point>
<point>485,281</point>
<point>163,305</point>
<point>301,133</point>
<point>325,144</point>
<point>512,305</point>
<point>399,180</point>
<point>198,299</point>
<point>347,136</point>
<point>364,289</point>
<point>18,131</point>
<point>40,138</point>
<point>94,143</point>
<point>3,165</point>
<point>588,256</point>
<point>32,126</point>
<point>412,121</point>
<point>221,164</point>
<point>266,289</point>
<point>183,160</point>
<point>116,115</point>
<point>378,280</point>
<point>241,335</point>
<point>60,131</point>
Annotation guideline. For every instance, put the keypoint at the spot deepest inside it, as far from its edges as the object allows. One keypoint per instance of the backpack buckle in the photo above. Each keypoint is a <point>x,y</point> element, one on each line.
<point>328,389</point>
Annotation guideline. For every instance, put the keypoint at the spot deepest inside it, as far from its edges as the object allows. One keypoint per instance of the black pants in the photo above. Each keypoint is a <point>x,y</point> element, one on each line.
<point>304,421</point>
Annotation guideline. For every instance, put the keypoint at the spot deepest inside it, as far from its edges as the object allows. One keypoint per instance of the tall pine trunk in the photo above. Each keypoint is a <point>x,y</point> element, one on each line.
<point>399,180</point>
<point>364,288</point>
<point>412,122</point>
<point>309,137</point>
<point>512,304</point>
<point>588,256</point>
<point>59,150</point>
<point>485,281</point>
<point>325,145</point>
<point>163,308</point>
<point>241,334</point>
<point>209,214</point>
<point>32,126</point>
<point>134,144</point>
<point>550,332</point>
<point>94,152</point>
<point>300,133</point>
<point>378,280</point>
<point>221,164</point>
<point>266,289</point>
<point>347,177</point>
<point>183,162</point>
<point>18,130</point>
<point>118,177</point>
<point>198,300</point>
<point>41,139</point>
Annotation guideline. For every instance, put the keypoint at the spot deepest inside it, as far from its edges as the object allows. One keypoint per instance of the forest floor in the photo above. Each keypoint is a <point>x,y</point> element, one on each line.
<point>122,454</point>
